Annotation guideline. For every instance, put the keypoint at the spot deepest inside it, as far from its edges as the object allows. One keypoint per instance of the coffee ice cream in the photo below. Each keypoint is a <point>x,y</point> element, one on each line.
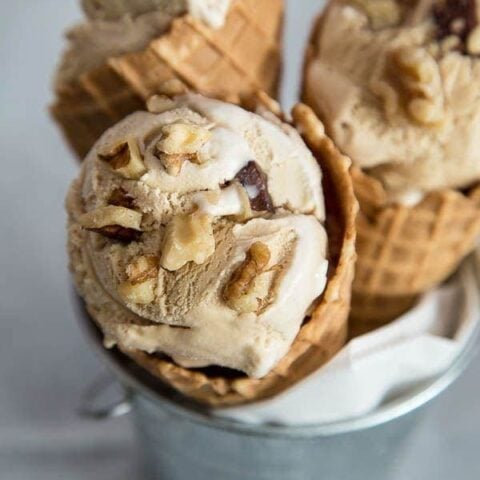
<point>396,84</point>
<point>197,233</point>
<point>118,27</point>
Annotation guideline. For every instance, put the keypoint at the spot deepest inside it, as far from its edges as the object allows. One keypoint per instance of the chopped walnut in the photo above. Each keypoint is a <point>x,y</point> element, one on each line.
<point>416,66</point>
<point>121,234</point>
<point>184,138</point>
<point>188,238</point>
<point>111,215</point>
<point>180,142</point>
<point>118,223</point>
<point>125,158</point>
<point>426,111</point>
<point>140,293</point>
<point>172,87</point>
<point>120,198</point>
<point>160,104</point>
<point>142,278</point>
<point>381,13</point>
<point>247,289</point>
<point>142,268</point>
<point>419,76</point>
<point>411,78</point>
<point>173,163</point>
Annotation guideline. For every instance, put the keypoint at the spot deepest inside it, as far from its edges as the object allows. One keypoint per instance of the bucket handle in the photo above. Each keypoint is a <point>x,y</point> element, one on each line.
<point>90,407</point>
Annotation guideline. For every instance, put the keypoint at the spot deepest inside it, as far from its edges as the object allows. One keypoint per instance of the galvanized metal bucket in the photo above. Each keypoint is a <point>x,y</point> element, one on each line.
<point>179,440</point>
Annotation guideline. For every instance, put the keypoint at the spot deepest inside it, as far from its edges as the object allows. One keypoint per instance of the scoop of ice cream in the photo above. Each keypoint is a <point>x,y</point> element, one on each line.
<point>116,9</point>
<point>212,12</point>
<point>197,232</point>
<point>397,85</point>
<point>117,27</point>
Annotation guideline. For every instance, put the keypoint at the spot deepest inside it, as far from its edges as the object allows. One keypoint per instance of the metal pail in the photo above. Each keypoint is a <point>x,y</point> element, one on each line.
<point>181,441</point>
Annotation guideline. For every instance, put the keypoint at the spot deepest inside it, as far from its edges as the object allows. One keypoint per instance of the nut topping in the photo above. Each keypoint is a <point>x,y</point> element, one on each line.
<point>117,223</point>
<point>142,278</point>
<point>411,78</point>
<point>120,234</point>
<point>247,288</point>
<point>185,138</point>
<point>254,181</point>
<point>188,238</point>
<point>120,198</point>
<point>160,104</point>
<point>172,87</point>
<point>142,268</point>
<point>420,83</point>
<point>139,293</point>
<point>382,13</point>
<point>180,142</point>
<point>125,159</point>
<point>173,163</point>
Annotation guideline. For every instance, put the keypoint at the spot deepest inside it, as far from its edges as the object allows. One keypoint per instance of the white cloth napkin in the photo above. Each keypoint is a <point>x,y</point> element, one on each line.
<point>377,367</point>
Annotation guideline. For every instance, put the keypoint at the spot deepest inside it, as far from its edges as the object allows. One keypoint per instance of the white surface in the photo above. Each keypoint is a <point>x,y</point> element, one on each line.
<point>44,363</point>
<point>381,366</point>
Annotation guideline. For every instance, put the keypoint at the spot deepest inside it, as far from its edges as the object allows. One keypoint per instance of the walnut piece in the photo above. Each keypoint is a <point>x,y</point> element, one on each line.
<point>143,268</point>
<point>411,79</point>
<point>421,84</point>
<point>173,163</point>
<point>111,215</point>
<point>180,142</point>
<point>185,138</point>
<point>160,104</point>
<point>140,293</point>
<point>381,13</point>
<point>248,288</point>
<point>118,223</point>
<point>125,158</point>
<point>142,278</point>
<point>172,87</point>
<point>188,238</point>
<point>120,198</point>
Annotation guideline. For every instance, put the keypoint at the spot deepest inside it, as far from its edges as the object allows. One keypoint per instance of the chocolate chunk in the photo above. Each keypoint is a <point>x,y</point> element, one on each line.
<point>116,232</point>
<point>255,183</point>
<point>455,17</point>
<point>120,198</point>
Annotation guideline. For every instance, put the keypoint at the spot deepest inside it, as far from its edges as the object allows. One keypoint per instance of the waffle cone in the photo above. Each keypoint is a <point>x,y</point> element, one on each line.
<point>234,61</point>
<point>402,251</point>
<point>325,332</point>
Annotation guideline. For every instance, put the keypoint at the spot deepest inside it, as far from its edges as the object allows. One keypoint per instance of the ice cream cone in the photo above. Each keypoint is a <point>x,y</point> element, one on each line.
<point>241,57</point>
<point>403,251</point>
<point>325,331</point>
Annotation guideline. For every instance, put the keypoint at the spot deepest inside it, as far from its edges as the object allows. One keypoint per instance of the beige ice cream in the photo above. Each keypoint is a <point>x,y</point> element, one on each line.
<point>197,232</point>
<point>116,27</point>
<point>397,83</point>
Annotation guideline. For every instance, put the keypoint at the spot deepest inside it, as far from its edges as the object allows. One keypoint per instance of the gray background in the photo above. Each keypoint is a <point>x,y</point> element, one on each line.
<point>44,363</point>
